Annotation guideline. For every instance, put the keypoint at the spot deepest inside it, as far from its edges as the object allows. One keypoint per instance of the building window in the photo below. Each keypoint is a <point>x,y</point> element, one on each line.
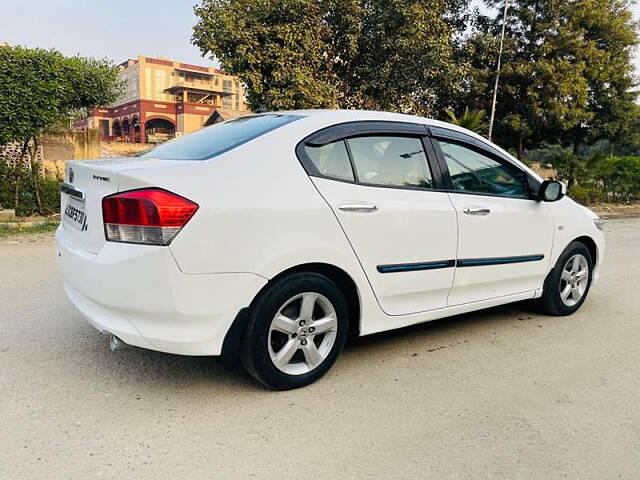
<point>104,127</point>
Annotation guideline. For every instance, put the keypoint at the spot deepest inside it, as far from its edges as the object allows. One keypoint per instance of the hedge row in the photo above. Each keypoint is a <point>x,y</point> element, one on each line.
<point>27,204</point>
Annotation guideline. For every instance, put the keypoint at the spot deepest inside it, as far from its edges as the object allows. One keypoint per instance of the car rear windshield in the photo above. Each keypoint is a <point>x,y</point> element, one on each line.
<point>218,138</point>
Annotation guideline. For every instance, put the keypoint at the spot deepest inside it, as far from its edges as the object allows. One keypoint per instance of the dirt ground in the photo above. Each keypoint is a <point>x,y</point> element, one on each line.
<point>610,211</point>
<point>499,394</point>
<point>121,149</point>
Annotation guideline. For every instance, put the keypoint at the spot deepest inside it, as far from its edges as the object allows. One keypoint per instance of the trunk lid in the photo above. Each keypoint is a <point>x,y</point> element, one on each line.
<point>86,183</point>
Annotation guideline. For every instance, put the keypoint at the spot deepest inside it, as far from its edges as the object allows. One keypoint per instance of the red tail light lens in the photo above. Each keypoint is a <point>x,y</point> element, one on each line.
<point>150,216</point>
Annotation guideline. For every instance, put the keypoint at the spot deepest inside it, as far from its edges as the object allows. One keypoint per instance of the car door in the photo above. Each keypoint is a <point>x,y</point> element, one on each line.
<point>504,235</point>
<point>376,178</point>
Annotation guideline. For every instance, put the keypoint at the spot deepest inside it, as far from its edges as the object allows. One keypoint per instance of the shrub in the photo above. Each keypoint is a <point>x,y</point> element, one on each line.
<point>586,195</point>
<point>619,176</point>
<point>27,205</point>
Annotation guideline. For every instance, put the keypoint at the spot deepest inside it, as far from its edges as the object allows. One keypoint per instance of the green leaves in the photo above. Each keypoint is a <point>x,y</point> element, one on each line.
<point>390,55</point>
<point>39,89</point>
<point>620,176</point>
<point>567,74</point>
<point>471,120</point>
<point>275,47</point>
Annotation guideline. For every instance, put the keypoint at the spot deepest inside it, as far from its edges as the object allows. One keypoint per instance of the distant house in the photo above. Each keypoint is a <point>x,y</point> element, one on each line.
<point>222,115</point>
<point>165,98</point>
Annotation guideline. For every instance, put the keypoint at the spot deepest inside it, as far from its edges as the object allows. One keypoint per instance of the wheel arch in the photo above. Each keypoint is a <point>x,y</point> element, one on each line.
<point>232,341</point>
<point>341,278</point>
<point>591,246</point>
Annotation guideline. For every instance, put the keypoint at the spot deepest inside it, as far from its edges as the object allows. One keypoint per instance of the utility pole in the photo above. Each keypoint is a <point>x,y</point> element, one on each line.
<point>495,87</point>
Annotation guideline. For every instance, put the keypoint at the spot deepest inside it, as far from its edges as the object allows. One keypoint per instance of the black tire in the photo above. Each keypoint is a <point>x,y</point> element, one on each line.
<point>551,300</point>
<point>255,347</point>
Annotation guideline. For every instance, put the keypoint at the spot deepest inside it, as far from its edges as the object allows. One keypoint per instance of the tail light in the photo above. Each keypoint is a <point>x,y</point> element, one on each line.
<point>150,216</point>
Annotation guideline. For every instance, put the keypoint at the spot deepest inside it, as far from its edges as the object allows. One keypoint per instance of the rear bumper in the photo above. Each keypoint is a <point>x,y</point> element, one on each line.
<point>138,293</point>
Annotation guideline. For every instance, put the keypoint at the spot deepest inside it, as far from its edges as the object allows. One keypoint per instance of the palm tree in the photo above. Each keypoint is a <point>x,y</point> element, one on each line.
<point>471,120</point>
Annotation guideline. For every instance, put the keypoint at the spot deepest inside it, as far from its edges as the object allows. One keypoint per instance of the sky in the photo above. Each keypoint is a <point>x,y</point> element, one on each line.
<point>115,29</point>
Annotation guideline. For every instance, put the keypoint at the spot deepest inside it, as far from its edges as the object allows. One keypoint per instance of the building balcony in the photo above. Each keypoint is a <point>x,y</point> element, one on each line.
<point>197,87</point>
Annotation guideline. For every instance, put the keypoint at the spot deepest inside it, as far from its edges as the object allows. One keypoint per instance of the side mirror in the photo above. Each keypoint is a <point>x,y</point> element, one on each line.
<point>551,191</point>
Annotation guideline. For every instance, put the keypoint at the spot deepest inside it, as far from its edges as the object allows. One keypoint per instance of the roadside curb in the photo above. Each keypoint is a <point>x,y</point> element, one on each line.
<point>20,225</point>
<point>615,216</point>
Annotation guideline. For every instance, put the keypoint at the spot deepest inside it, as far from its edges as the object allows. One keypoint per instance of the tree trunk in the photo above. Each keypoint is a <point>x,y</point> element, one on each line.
<point>520,146</point>
<point>34,175</point>
<point>16,191</point>
<point>18,175</point>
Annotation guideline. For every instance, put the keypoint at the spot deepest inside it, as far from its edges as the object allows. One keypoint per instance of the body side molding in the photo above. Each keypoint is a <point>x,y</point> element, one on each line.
<point>464,262</point>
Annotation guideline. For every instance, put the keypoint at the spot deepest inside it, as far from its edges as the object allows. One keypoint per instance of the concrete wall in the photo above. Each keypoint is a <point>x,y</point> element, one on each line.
<point>188,123</point>
<point>77,145</point>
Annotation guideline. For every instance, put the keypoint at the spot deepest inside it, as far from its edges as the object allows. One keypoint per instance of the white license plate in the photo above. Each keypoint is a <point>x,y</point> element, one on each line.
<point>75,215</point>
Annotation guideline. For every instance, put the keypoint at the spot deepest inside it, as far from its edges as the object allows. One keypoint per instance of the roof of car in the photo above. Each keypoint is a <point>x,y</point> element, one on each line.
<point>355,115</point>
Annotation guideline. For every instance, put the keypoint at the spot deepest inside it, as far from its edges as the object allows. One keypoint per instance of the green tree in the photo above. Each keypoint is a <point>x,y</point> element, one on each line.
<point>393,55</point>
<point>40,90</point>
<point>471,120</point>
<point>566,74</point>
<point>606,35</point>
<point>619,176</point>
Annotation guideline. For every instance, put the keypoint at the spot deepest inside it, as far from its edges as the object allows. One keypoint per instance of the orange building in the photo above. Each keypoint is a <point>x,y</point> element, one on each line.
<point>164,98</point>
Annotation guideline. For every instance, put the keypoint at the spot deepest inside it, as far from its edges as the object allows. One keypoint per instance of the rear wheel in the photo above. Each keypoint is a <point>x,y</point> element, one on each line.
<point>295,332</point>
<point>567,285</point>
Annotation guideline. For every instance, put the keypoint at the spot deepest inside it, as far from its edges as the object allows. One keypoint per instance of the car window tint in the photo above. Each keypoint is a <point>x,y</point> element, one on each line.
<point>477,173</point>
<point>390,161</point>
<point>331,160</point>
<point>218,138</point>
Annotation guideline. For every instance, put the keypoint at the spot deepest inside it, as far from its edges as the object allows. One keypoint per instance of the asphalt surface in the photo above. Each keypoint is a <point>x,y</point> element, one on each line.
<point>501,394</point>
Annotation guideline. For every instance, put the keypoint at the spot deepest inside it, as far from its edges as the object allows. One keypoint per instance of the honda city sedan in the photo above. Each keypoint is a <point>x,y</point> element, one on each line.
<point>272,238</point>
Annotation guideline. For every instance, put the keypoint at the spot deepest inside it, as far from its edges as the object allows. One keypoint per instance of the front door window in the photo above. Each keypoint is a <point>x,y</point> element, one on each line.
<point>473,172</point>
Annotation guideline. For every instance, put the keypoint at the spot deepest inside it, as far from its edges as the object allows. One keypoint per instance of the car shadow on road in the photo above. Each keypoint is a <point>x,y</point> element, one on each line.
<point>444,329</point>
<point>135,366</point>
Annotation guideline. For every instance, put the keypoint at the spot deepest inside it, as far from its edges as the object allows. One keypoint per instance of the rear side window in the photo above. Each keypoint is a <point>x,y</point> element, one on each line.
<point>219,138</point>
<point>390,161</point>
<point>331,160</point>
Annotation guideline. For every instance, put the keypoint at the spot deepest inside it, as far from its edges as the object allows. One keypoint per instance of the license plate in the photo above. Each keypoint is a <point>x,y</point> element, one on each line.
<point>74,215</point>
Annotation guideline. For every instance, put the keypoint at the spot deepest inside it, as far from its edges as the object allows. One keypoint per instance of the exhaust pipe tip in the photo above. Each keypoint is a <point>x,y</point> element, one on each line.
<point>115,344</point>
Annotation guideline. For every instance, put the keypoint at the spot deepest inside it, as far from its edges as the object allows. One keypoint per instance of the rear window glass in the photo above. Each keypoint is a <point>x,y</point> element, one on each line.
<point>218,138</point>
<point>391,161</point>
<point>331,160</point>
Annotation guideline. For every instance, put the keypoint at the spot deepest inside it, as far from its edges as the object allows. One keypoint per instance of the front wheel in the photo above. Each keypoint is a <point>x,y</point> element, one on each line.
<point>295,332</point>
<point>567,285</point>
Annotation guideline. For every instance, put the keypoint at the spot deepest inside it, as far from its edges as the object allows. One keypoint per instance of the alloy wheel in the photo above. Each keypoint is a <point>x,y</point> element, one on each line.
<point>302,333</point>
<point>574,280</point>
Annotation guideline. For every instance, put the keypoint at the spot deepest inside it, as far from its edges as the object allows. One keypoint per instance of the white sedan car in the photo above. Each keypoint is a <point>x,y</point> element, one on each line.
<point>273,237</point>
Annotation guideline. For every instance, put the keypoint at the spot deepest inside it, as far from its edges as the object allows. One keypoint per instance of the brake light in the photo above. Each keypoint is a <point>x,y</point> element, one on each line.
<point>150,216</point>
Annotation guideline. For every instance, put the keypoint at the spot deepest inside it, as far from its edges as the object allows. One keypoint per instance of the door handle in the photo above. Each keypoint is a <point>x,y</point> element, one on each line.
<point>481,211</point>
<point>358,207</point>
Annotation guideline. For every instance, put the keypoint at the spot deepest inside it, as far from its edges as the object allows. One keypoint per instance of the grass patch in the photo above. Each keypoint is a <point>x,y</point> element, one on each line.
<point>46,227</point>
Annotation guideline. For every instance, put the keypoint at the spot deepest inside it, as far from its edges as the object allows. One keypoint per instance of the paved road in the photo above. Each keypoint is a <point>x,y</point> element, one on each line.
<point>503,394</point>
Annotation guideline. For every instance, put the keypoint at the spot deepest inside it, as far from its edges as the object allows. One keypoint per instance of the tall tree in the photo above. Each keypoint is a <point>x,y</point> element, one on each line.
<point>392,55</point>
<point>566,73</point>
<point>40,89</point>
<point>608,35</point>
